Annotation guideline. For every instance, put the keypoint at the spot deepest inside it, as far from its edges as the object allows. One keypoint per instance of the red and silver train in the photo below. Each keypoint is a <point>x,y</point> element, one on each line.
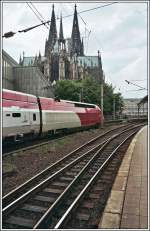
<point>26,114</point>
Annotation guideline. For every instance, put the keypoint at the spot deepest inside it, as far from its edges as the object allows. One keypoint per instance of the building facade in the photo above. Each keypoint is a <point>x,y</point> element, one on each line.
<point>64,58</point>
<point>135,107</point>
<point>143,106</point>
<point>27,79</point>
<point>8,64</point>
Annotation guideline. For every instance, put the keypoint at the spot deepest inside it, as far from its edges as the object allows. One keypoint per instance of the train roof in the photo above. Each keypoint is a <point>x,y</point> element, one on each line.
<point>17,92</point>
<point>76,102</point>
<point>18,96</point>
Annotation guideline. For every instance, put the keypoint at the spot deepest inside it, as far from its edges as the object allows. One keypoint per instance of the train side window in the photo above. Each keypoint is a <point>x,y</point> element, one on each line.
<point>34,117</point>
<point>16,114</point>
<point>7,114</point>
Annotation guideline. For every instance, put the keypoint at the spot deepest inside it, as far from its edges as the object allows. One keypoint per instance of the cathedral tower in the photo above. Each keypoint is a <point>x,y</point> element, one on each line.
<point>61,35</point>
<point>52,32</point>
<point>76,44</point>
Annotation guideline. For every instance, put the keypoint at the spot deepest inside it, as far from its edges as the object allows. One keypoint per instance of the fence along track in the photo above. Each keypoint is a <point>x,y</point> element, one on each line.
<point>23,188</point>
<point>44,199</point>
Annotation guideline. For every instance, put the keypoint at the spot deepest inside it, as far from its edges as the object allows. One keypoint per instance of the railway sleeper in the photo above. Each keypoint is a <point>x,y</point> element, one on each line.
<point>66,178</point>
<point>53,190</point>
<point>20,222</point>
<point>60,184</point>
<point>34,208</point>
<point>49,199</point>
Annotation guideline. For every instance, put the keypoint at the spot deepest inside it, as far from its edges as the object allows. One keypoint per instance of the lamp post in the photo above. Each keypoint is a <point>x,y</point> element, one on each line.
<point>102,102</point>
<point>81,95</point>
<point>114,107</point>
<point>101,86</point>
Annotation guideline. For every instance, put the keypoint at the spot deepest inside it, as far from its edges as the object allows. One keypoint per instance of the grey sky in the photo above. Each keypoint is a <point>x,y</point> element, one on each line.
<point>119,31</point>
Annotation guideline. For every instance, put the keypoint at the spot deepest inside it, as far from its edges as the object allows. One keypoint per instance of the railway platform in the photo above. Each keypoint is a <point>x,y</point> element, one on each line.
<point>127,206</point>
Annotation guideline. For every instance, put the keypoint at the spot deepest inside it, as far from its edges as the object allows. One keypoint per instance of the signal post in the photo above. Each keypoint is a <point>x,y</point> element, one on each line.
<point>101,78</point>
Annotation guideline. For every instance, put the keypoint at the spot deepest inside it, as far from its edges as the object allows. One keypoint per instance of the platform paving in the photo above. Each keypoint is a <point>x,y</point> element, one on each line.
<point>127,206</point>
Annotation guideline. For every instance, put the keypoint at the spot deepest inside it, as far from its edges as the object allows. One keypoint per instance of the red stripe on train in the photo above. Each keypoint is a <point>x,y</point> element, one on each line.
<point>18,97</point>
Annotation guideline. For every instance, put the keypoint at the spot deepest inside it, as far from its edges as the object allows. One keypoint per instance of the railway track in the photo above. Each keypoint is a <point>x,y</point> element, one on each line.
<point>11,148</point>
<point>86,210</point>
<point>48,204</point>
<point>21,146</point>
<point>14,194</point>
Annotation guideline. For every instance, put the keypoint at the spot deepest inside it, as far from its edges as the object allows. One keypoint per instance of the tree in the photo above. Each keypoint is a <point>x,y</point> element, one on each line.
<point>118,102</point>
<point>88,91</point>
<point>67,89</point>
<point>108,99</point>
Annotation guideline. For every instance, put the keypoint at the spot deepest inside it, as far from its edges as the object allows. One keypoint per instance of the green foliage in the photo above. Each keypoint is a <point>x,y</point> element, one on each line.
<point>108,99</point>
<point>119,102</point>
<point>67,89</point>
<point>88,90</point>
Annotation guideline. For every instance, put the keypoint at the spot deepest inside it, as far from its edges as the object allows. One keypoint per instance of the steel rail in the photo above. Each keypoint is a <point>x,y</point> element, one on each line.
<point>82,194</point>
<point>51,211</point>
<point>10,207</point>
<point>14,194</point>
<point>23,198</point>
<point>41,143</point>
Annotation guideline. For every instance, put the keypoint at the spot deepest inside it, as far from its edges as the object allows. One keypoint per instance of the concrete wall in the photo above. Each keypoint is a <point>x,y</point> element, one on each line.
<point>30,80</point>
<point>8,63</point>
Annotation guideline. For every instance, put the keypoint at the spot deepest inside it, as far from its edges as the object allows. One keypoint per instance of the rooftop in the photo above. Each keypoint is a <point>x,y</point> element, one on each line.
<point>30,60</point>
<point>88,61</point>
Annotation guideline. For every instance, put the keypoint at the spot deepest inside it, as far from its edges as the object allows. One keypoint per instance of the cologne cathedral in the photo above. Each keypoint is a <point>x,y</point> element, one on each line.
<point>64,58</point>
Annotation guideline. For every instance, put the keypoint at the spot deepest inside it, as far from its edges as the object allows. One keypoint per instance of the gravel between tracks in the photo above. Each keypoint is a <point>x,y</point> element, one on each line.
<point>19,167</point>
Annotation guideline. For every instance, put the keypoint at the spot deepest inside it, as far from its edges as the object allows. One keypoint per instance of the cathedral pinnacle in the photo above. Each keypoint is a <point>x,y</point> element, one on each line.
<point>20,60</point>
<point>61,36</point>
<point>53,31</point>
<point>75,37</point>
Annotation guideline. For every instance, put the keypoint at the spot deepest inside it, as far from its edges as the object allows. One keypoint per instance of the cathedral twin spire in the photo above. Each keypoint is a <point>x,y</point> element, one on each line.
<point>53,31</point>
<point>61,35</point>
<point>76,44</point>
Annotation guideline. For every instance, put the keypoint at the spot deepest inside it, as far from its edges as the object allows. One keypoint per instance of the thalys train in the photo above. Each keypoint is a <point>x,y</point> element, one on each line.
<point>29,115</point>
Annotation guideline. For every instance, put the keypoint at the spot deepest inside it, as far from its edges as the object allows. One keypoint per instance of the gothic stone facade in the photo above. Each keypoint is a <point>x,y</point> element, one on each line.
<point>64,58</point>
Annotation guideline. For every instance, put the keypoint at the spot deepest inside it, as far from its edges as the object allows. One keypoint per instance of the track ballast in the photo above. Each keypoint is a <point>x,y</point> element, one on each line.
<point>50,203</point>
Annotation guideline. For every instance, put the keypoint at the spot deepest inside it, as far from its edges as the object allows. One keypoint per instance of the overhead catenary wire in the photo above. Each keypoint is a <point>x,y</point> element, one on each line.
<point>30,28</point>
<point>137,90</point>
<point>89,31</point>
<point>39,13</point>
<point>88,41</point>
<point>138,80</point>
<point>142,88</point>
<point>95,8</point>
<point>11,33</point>
<point>36,12</point>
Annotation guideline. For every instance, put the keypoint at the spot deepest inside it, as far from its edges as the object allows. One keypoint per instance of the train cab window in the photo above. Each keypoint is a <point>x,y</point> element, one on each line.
<point>34,117</point>
<point>16,114</point>
<point>84,105</point>
<point>7,114</point>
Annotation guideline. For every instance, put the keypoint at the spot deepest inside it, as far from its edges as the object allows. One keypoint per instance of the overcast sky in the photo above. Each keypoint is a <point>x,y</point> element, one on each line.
<point>119,31</point>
